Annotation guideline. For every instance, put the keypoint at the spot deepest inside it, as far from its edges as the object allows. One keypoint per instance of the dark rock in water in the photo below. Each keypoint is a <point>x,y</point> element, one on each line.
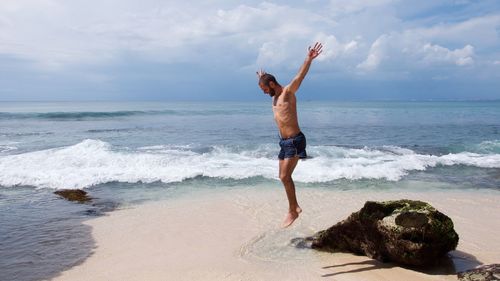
<point>489,272</point>
<point>404,231</point>
<point>74,195</point>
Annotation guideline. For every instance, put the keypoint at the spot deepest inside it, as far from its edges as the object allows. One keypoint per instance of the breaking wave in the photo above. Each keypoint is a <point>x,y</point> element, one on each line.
<point>93,162</point>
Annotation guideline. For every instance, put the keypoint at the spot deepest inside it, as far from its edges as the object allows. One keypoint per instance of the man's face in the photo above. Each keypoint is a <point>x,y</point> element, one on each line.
<point>268,90</point>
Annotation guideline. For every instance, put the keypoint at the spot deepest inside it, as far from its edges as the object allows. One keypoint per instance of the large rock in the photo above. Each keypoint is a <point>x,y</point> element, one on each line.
<point>489,272</point>
<point>404,231</point>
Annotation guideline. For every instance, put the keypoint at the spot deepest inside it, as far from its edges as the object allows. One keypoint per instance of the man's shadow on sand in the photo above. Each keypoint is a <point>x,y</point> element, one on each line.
<point>455,261</point>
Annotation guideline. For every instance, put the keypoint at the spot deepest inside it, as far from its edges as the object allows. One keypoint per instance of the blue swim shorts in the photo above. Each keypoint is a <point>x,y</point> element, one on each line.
<point>293,146</point>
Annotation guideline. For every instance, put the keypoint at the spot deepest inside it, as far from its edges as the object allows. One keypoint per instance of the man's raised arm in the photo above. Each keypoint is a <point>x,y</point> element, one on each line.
<point>312,54</point>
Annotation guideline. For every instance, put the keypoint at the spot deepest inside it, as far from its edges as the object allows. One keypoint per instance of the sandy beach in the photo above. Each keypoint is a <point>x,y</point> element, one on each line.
<point>235,235</point>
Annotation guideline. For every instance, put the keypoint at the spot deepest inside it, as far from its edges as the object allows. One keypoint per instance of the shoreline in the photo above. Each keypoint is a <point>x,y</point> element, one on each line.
<point>235,235</point>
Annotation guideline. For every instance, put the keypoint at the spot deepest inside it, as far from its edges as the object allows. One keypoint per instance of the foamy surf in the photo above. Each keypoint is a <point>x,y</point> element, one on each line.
<point>8,146</point>
<point>93,162</point>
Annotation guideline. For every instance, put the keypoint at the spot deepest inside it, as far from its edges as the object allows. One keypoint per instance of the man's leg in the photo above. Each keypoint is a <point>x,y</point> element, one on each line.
<point>286,168</point>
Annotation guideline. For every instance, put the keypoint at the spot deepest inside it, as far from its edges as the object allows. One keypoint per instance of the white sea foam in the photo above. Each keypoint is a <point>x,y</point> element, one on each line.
<point>488,147</point>
<point>163,147</point>
<point>92,162</point>
<point>7,146</point>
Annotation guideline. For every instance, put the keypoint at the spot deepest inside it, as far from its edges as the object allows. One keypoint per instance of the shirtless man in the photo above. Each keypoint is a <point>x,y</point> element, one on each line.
<point>292,140</point>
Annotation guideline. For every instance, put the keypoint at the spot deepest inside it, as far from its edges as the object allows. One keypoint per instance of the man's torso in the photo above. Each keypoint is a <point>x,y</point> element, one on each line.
<point>285,113</point>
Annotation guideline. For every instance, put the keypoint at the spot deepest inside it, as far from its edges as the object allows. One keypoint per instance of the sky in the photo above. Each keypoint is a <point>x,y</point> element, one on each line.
<point>209,50</point>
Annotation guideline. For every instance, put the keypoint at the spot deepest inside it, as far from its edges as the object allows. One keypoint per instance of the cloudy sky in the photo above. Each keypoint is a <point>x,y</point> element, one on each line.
<point>210,50</point>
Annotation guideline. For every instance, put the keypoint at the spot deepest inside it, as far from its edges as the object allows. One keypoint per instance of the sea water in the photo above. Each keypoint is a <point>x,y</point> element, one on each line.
<point>126,153</point>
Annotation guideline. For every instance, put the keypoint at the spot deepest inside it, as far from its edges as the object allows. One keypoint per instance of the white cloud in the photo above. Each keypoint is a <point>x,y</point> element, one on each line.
<point>424,48</point>
<point>353,6</point>
<point>363,35</point>
<point>460,57</point>
<point>58,33</point>
<point>333,48</point>
<point>272,54</point>
<point>375,55</point>
<point>477,30</point>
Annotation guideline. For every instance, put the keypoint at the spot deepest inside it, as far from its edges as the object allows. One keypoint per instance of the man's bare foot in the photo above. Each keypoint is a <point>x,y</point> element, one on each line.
<point>290,218</point>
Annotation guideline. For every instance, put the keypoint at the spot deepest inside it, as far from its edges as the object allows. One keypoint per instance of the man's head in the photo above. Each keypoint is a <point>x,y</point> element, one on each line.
<point>268,84</point>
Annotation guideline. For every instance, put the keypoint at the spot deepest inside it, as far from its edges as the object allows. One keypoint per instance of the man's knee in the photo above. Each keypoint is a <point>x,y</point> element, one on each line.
<point>285,178</point>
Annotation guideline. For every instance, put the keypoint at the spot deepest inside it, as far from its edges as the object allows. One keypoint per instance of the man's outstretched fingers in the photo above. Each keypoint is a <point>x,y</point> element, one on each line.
<point>260,72</point>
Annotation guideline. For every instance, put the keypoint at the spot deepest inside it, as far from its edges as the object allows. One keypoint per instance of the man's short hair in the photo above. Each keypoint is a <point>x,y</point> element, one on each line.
<point>266,78</point>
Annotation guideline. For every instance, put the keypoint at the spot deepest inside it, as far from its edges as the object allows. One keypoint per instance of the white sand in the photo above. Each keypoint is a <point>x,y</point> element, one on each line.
<point>235,235</point>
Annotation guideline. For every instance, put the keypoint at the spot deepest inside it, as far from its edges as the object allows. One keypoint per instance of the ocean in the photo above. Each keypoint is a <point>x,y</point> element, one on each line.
<point>128,153</point>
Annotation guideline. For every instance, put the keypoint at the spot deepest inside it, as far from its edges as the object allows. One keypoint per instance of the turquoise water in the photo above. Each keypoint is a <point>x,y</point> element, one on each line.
<point>129,153</point>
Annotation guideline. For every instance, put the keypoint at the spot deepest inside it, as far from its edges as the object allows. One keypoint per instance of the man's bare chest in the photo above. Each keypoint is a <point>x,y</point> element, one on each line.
<point>283,103</point>
<point>283,109</point>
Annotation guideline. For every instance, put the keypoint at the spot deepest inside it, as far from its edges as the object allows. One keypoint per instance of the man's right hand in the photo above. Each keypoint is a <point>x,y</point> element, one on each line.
<point>260,73</point>
<point>314,51</point>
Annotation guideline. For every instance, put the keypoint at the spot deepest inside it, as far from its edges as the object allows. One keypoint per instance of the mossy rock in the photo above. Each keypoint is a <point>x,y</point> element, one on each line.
<point>490,272</point>
<point>77,195</point>
<point>403,231</point>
